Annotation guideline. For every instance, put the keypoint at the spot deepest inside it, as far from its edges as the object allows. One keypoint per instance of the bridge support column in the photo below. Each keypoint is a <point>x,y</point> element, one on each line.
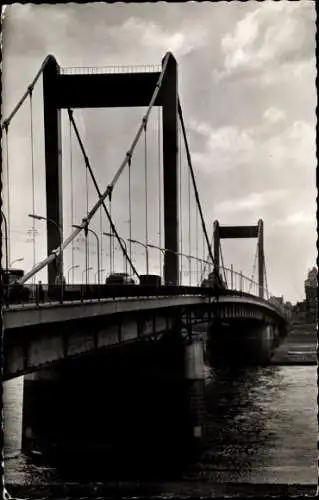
<point>261,259</point>
<point>169,96</point>
<point>240,343</point>
<point>40,420</point>
<point>53,165</point>
<point>216,238</point>
<point>194,375</point>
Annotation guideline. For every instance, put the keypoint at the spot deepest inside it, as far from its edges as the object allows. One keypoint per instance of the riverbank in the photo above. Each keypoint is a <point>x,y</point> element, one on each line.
<point>299,347</point>
<point>185,489</point>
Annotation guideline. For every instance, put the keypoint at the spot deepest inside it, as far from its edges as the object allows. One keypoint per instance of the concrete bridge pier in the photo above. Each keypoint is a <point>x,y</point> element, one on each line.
<point>239,342</point>
<point>130,412</point>
<point>261,339</point>
<point>194,375</point>
<point>40,416</point>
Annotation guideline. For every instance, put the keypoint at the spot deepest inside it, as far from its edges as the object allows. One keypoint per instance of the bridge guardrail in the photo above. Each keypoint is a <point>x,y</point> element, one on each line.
<point>30,294</point>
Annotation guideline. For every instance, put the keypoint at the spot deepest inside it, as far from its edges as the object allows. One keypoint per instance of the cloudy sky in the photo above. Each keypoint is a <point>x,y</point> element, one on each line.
<point>247,87</point>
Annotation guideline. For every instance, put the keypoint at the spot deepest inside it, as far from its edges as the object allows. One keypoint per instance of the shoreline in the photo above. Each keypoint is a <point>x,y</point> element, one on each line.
<point>174,489</point>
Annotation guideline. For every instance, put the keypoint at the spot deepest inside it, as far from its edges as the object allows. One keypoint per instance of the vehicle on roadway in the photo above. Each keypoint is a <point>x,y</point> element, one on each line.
<point>119,279</point>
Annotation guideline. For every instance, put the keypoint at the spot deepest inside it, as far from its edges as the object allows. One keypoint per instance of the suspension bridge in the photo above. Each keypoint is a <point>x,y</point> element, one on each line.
<point>152,315</point>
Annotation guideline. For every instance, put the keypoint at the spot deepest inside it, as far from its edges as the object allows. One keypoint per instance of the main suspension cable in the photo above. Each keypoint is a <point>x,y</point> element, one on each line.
<point>71,198</point>
<point>8,236</point>
<point>32,176</point>
<point>196,231</point>
<point>112,236</point>
<point>194,184</point>
<point>130,207</point>
<point>208,256</point>
<point>254,270</point>
<point>180,202</point>
<point>159,189</point>
<point>223,266</point>
<point>108,189</point>
<point>265,274</point>
<point>189,228</point>
<point>146,196</point>
<point>7,121</point>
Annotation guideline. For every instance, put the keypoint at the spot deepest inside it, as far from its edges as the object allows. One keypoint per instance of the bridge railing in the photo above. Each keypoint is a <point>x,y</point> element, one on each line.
<point>32,294</point>
<point>39,297</point>
<point>241,283</point>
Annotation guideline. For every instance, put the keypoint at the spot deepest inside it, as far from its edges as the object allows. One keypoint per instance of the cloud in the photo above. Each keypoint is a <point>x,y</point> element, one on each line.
<point>274,115</point>
<point>251,202</point>
<point>152,36</point>
<point>251,129</point>
<point>297,218</point>
<point>275,34</point>
<point>273,143</point>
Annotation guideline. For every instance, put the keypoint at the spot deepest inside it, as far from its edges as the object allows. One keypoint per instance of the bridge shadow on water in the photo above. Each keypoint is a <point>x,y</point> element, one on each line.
<point>117,416</point>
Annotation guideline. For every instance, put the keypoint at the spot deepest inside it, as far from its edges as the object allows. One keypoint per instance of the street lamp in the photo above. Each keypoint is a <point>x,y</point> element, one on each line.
<point>85,271</point>
<point>100,272</point>
<point>72,267</point>
<point>162,250</point>
<point>146,251</point>
<point>6,237</point>
<point>40,217</point>
<point>15,261</point>
<point>189,257</point>
<point>111,235</point>
<point>198,259</point>
<point>97,248</point>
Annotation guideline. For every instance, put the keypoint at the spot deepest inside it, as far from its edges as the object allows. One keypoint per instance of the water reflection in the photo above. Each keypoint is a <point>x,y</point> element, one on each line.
<point>261,426</point>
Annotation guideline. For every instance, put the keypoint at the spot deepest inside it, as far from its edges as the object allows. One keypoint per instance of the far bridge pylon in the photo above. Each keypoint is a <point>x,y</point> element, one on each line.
<point>227,232</point>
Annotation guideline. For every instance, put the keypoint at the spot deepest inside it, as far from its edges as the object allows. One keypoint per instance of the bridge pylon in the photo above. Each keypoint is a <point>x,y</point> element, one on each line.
<point>232,232</point>
<point>70,91</point>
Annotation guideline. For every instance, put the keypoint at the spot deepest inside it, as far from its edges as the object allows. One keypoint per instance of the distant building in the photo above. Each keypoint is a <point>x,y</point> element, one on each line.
<point>277,300</point>
<point>311,291</point>
<point>311,285</point>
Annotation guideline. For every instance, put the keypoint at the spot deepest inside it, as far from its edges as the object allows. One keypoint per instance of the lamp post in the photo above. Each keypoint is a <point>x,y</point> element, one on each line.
<point>162,250</point>
<point>189,257</point>
<point>97,248</point>
<point>85,271</point>
<point>201,264</point>
<point>146,251</point>
<point>40,217</point>
<point>72,267</point>
<point>15,261</point>
<point>6,237</point>
<point>111,235</point>
<point>100,272</point>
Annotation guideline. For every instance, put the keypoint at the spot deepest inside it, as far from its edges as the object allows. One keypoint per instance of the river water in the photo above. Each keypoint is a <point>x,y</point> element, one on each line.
<point>261,427</point>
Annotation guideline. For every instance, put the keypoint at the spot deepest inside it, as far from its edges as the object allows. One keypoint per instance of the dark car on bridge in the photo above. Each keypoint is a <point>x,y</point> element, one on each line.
<point>119,279</point>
